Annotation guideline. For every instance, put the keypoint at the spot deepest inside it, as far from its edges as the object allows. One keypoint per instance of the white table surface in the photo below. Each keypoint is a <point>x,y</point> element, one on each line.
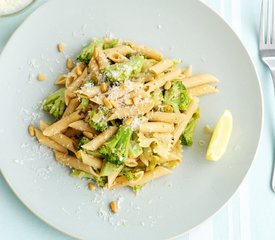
<point>250,214</point>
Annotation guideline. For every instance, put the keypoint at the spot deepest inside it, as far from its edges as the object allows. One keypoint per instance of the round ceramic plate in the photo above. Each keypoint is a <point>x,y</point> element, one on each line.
<point>166,207</point>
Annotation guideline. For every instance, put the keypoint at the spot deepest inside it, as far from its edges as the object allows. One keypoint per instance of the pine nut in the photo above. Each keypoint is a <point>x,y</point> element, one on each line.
<point>78,154</point>
<point>78,71</point>
<point>114,103</point>
<point>128,101</point>
<point>135,100</point>
<point>91,186</point>
<point>107,103</point>
<point>113,206</point>
<point>70,63</point>
<point>88,135</point>
<point>41,77</point>
<point>128,121</point>
<point>167,85</point>
<point>103,87</point>
<point>61,47</point>
<point>31,130</point>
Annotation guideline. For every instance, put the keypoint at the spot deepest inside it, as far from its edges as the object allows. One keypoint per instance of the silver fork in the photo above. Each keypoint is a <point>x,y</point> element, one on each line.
<point>267,47</point>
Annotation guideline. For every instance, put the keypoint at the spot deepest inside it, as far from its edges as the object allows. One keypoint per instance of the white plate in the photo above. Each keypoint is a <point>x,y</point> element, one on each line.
<point>166,207</point>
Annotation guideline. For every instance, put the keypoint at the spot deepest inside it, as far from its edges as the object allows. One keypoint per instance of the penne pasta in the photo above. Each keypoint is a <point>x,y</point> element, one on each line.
<point>165,117</point>
<point>141,108</point>
<point>100,139</point>
<point>61,80</point>
<point>72,106</point>
<point>60,138</point>
<point>181,126</point>
<point>48,142</point>
<point>202,90</point>
<point>113,176</point>
<point>147,52</point>
<point>131,162</point>
<point>90,160</point>
<point>197,80</point>
<point>73,162</point>
<point>158,83</point>
<point>81,126</point>
<point>158,127</point>
<point>62,124</point>
<point>161,66</point>
<point>88,92</point>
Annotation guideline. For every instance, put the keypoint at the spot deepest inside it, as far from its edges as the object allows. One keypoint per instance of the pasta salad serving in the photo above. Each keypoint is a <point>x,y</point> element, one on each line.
<point>122,114</point>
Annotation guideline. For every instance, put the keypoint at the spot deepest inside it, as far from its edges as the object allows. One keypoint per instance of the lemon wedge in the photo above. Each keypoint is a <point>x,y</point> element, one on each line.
<point>220,137</point>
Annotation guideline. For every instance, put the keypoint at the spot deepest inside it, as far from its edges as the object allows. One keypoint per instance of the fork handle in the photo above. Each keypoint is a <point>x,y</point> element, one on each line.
<point>273,172</point>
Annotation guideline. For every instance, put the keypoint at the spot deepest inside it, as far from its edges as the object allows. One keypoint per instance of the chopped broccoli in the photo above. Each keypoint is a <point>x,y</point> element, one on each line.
<point>111,43</point>
<point>177,96</point>
<point>82,141</point>
<point>100,181</point>
<point>88,51</point>
<point>107,169</point>
<point>119,72</point>
<point>84,103</point>
<point>186,137</point>
<point>55,103</point>
<point>116,149</point>
<point>136,188</point>
<point>127,172</point>
<point>157,97</point>
<point>98,120</point>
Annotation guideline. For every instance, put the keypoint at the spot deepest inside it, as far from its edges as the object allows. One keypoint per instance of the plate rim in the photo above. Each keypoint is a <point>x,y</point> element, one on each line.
<point>241,43</point>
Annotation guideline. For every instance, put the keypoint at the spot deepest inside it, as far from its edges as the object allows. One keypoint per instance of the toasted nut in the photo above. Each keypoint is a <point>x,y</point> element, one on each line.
<point>61,47</point>
<point>41,77</point>
<point>167,85</point>
<point>135,100</point>
<point>31,130</point>
<point>128,101</point>
<point>78,71</point>
<point>78,154</point>
<point>128,121</point>
<point>113,206</point>
<point>107,103</point>
<point>168,108</point>
<point>114,103</point>
<point>103,87</point>
<point>70,63</point>
<point>88,135</point>
<point>91,186</point>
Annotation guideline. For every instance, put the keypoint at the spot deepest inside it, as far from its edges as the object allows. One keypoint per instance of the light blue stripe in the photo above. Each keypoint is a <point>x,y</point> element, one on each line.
<point>220,223</point>
<point>236,216</point>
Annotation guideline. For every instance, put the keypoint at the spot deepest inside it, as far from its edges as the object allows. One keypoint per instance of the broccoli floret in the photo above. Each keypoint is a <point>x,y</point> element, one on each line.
<point>157,97</point>
<point>186,137</point>
<point>100,181</point>
<point>84,103</point>
<point>107,169</point>
<point>111,43</point>
<point>135,149</point>
<point>55,103</point>
<point>119,72</point>
<point>98,120</point>
<point>177,96</point>
<point>127,172</point>
<point>116,149</point>
<point>88,51</point>
<point>136,188</point>
<point>82,141</point>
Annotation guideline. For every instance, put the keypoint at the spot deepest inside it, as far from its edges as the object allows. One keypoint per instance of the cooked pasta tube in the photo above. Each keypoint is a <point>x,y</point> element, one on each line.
<point>73,104</point>
<point>62,124</point>
<point>198,80</point>
<point>122,49</point>
<point>81,126</point>
<point>160,127</point>
<point>48,142</point>
<point>99,140</point>
<point>158,83</point>
<point>88,92</point>
<point>69,92</point>
<point>202,90</point>
<point>90,160</point>
<point>161,66</point>
<point>113,176</point>
<point>165,117</point>
<point>61,80</point>
<point>148,52</point>
<point>60,138</point>
<point>141,108</point>
<point>131,162</point>
<point>117,57</point>
<point>73,162</point>
<point>181,126</point>
<point>100,58</point>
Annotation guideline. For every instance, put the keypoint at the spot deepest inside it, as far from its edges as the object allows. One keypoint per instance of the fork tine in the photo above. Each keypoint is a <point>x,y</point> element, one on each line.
<point>269,15</point>
<point>262,25</point>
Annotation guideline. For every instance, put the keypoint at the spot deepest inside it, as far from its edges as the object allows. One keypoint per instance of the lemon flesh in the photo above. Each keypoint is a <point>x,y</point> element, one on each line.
<point>220,137</point>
